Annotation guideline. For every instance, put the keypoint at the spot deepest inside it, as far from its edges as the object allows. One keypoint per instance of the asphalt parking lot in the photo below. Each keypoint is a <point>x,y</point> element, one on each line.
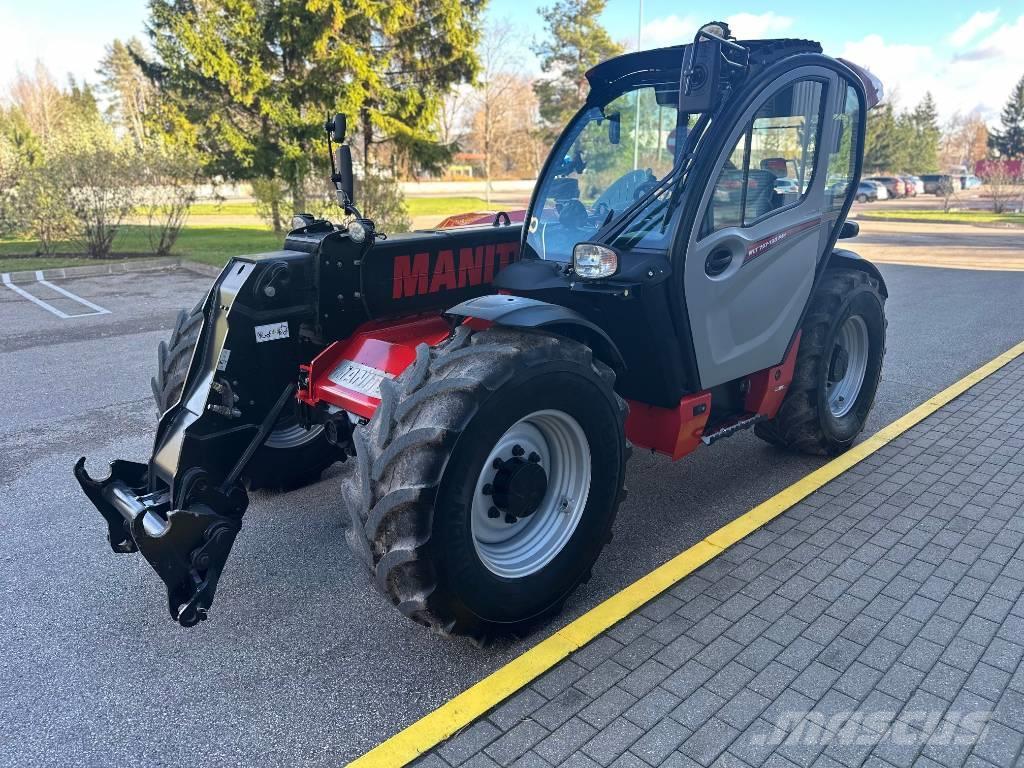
<point>301,661</point>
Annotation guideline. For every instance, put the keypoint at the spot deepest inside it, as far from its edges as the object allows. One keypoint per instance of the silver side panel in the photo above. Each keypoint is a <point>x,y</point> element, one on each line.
<point>167,453</point>
<point>743,319</point>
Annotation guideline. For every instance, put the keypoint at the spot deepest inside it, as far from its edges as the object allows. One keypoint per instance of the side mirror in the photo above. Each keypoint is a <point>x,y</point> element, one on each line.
<point>345,182</point>
<point>849,229</point>
<point>614,127</point>
<point>336,126</point>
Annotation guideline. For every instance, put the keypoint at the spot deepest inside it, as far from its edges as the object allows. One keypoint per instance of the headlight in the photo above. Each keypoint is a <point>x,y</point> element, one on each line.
<point>591,261</point>
<point>357,231</point>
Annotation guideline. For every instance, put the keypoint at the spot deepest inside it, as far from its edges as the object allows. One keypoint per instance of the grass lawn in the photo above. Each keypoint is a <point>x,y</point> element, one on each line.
<point>941,217</point>
<point>444,206</point>
<point>418,206</point>
<point>209,243</point>
<point>206,244</point>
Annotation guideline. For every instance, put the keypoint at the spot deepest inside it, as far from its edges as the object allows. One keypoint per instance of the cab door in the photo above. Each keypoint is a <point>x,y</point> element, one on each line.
<point>761,226</point>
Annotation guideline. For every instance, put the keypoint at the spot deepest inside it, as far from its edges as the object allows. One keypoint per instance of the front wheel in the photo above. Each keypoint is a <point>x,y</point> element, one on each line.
<point>488,480</point>
<point>862,198</point>
<point>838,367</point>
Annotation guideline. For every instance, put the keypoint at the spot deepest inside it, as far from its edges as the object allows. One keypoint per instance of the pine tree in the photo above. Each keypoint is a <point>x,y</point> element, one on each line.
<point>130,94</point>
<point>577,41</point>
<point>923,148</point>
<point>885,149</point>
<point>257,79</point>
<point>1008,142</point>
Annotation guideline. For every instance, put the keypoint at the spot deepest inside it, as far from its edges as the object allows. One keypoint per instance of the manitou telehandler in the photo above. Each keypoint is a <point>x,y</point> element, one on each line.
<point>675,280</point>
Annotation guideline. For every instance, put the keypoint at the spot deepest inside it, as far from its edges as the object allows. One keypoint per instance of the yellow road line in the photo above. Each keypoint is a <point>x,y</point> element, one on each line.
<point>476,700</point>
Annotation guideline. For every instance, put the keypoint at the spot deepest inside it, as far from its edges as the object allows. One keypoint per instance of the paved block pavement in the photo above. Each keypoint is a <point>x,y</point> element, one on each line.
<point>879,622</point>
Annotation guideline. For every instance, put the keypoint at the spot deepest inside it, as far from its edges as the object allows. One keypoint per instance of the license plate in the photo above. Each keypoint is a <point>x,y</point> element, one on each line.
<point>359,378</point>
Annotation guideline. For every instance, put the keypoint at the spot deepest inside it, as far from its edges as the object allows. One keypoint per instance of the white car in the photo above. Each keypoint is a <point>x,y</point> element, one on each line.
<point>883,193</point>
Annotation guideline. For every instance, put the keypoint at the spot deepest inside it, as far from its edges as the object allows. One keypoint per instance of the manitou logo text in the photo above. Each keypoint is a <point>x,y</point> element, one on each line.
<point>446,270</point>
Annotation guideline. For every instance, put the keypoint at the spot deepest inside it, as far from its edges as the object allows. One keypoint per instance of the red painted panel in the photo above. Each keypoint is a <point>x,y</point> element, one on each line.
<point>768,387</point>
<point>673,432</point>
<point>387,346</point>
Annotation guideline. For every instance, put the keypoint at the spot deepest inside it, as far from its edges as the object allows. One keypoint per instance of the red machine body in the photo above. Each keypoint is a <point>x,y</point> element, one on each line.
<point>348,375</point>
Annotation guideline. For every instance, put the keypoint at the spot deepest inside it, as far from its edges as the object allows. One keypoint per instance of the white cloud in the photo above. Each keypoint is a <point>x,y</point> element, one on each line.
<point>975,79</point>
<point>979,22</point>
<point>755,26</point>
<point>668,30</point>
<point>673,29</point>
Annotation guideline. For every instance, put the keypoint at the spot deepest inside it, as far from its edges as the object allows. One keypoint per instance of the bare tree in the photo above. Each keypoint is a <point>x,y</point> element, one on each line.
<point>498,64</point>
<point>171,174</point>
<point>964,141</point>
<point>453,117</point>
<point>1002,180</point>
<point>42,103</point>
<point>513,129</point>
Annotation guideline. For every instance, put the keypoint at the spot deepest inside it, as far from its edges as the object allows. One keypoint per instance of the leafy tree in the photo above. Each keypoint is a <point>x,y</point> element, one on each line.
<point>100,172</point>
<point>1008,142</point>
<point>257,78</point>
<point>577,41</point>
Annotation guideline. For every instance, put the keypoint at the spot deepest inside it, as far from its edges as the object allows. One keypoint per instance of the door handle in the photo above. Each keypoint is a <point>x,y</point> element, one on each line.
<point>717,262</point>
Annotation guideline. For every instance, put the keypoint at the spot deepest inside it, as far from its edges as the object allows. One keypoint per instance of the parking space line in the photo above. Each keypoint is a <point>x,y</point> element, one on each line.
<point>478,699</point>
<point>6,278</point>
<point>99,310</point>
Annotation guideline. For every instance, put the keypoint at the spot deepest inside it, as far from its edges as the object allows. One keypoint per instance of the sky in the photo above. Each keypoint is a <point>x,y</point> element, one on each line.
<point>968,54</point>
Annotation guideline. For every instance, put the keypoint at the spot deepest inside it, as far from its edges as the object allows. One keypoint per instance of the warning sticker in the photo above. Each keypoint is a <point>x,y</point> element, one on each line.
<point>271,332</point>
<point>222,361</point>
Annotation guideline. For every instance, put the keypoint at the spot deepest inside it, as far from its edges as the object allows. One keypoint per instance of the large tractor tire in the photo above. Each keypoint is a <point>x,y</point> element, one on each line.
<point>488,480</point>
<point>838,367</point>
<point>291,456</point>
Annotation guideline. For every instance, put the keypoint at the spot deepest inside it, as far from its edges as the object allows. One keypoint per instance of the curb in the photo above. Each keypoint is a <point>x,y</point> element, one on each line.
<point>207,270</point>
<point>95,270</point>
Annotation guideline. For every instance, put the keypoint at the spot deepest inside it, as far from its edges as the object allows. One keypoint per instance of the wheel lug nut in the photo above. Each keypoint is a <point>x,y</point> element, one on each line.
<point>488,489</point>
<point>493,513</point>
<point>498,463</point>
<point>510,518</point>
<point>534,457</point>
<point>517,450</point>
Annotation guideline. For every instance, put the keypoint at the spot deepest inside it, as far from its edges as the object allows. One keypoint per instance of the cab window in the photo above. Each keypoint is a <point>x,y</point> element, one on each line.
<point>772,163</point>
<point>842,155</point>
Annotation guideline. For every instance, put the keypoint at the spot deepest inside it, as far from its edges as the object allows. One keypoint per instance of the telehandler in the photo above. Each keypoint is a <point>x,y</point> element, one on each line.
<point>675,280</point>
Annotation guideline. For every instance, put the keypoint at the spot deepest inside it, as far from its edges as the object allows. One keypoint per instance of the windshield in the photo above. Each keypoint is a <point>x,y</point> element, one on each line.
<point>610,157</point>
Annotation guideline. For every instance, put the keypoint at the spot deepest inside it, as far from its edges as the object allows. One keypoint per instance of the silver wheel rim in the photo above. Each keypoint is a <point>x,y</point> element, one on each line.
<point>523,547</point>
<point>854,341</point>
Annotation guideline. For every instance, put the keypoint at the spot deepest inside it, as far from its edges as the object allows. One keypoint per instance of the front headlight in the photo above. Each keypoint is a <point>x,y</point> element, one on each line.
<point>591,261</point>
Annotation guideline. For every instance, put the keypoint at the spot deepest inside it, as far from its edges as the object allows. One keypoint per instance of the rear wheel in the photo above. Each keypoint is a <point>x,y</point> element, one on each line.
<point>838,367</point>
<point>291,456</point>
<point>862,198</point>
<point>488,480</point>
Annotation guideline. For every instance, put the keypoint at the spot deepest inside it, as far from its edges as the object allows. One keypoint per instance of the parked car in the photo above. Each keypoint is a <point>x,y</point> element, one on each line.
<point>893,185</point>
<point>918,185</point>
<point>909,188</point>
<point>939,183</point>
<point>867,192</point>
<point>787,187</point>
<point>881,191</point>
<point>971,182</point>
